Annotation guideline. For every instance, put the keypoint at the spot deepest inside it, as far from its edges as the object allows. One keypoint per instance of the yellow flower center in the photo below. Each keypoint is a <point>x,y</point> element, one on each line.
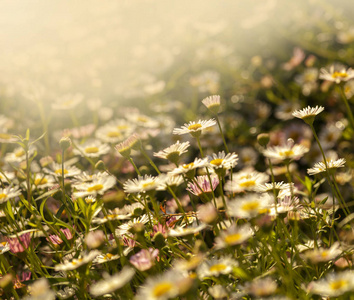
<point>232,238</point>
<point>110,216</point>
<point>324,253</point>
<point>194,126</point>
<point>5,136</point>
<point>40,181</point>
<point>75,261</point>
<point>248,183</point>
<point>114,134</point>
<point>148,184</point>
<point>162,288</point>
<point>217,268</point>
<point>59,171</point>
<point>2,196</point>
<point>95,187</point>
<point>250,206</point>
<point>20,153</point>
<point>217,161</point>
<point>91,149</point>
<point>286,153</point>
<point>122,127</point>
<point>108,256</point>
<point>188,166</point>
<point>339,74</point>
<point>338,284</point>
<point>3,244</point>
<point>142,119</point>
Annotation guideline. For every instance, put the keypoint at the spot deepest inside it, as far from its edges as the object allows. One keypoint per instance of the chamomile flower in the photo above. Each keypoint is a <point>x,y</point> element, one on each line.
<point>92,149</point>
<point>245,180</point>
<point>186,168</point>
<point>98,186</point>
<point>9,193</point>
<point>308,114</point>
<point>111,283</point>
<point>216,267</point>
<point>285,152</point>
<point>194,128</point>
<point>19,155</point>
<point>249,206</point>
<point>124,228</point>
<point>336,75</point>
<point>233,235</point>
<point>220,160</point>
<point>173,152</point>
<point>164,286</point>
<point>143,184</point>
<point>320,167</point>
<point>212,103</point>
<point>333,285</point>
<point>77,262</point>
<point>322,254</point>
<point>42,181</point>
<point>56,170</point>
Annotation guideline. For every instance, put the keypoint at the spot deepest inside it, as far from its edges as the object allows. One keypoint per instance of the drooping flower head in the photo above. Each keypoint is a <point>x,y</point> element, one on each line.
<point>308,114</point>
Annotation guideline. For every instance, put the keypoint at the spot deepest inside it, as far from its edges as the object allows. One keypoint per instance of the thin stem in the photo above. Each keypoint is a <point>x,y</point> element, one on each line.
<point>134,165</point>
<point>200,147</point>
<point>349,111</point>
<point>222,134</point>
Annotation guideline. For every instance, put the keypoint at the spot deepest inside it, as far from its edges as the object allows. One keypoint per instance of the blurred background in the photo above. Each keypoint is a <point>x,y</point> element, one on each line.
<point>152,54</point>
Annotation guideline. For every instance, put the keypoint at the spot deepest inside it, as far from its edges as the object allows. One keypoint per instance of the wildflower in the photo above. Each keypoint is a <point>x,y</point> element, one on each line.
<point>194,128</point>
<point>55,239</point>
<point>77,262</point>
<point>42,181</point>
<point>144,259</point>
<point>308,114</point>
<point>217,291</point>
<point>285,152</point>
<point>124,228</point>
<point>92,149</point>
<point>216,267</point>
<point>19,155</point>
<point>248,156</point>
<point>295,60</point>
<point>4,247</point>
<point>104,258</point>
<point>170,181</point>
<point>212,103</point>
<point>245,180</point>
<point>202,184</point>
<point>7,138</point>
<point>233,235</point>
<point>186,230</point>
<point>20,243</point>
<point>142,120</point>
<point>143,184</point>
<point>222,161</point>
<point>336,75</point>
<point>249,206</point>
<point>333,285</point>
<point>94,239</point>
<point>111,133</point>
<point>188,168</point>
<point>40,289</point>
<point>124,148</point>
<point>98,186</point>
<point>111,283</point>
<point>330,134</point>
<point>56,170</point>
<point>173,152</point>
<point>349,89</point>
<point>164,286</point>
<point>323,255</point>
<point>9,193</point>
<point>321,166</point>
<point>207,213</point>
<point>284,110</point>
<point>261,287</point>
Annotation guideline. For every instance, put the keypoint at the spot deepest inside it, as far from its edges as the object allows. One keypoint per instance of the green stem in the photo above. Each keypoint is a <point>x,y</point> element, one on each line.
<point>349,111</point>
<point>222,134</point>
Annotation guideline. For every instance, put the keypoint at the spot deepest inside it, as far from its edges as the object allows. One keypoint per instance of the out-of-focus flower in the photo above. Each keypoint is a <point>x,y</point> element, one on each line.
<point>40,290</point>
<point>216,267</point>
<point>323,255</point>
<point>19,244</point>
<point>245,180</point>
<point>144,259</point>
<point>336,74</point>
<point>92,149</point>
<point>98,186</point>
<point>321,166</point>
<point>9,193</point>
<point>295,60</point>
<point>233,235</point>
<point>143,184</point>
<point>202,184</point>
<point>186,168</point>
<point>77,262</point>
<point>285,152</point>
<point>261,287</point>
<point>67,102</point>
<point>94,239</point>
<point>111,283</point>
<point>212,103</point>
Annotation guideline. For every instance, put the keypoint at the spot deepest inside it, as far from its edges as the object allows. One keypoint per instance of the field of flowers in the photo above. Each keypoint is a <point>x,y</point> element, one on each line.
<point>209,172</point>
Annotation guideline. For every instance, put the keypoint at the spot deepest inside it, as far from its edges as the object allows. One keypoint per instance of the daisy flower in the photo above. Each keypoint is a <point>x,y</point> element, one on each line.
<point>109,134</point>
<point>212,103</point>
<point>202,184</point>
<point>98,186</point>
<point>164,286</point>
<point>194,128</point>
<point>186,168</point>
<point>56,170</point>
<point>216,267</point>
<point>233,235</point>
<point>142,120</point>
<point>19,155</point>
<point>249,206</point>
<point>92,149</point>
<point>4,247</point>
<point>173,152</point>
<point>245,180</point>
<point>323,255</point>
<point>308,114</point>
<point>9,193</point>
<point>42,181</point>
<point>336,75</point>
<point>124,228</point>
<point>186,230</point>
<point>143,184</point>
<point>67,102</point>
<point>269,187</point>
<point>220,160</point>
<point>286,152</point>
<point>40,289</point>
<point>170,181</point>
<point>77,262</point>
<point>333,285</point>
<point>261,287</point>
<point>144,259</point>
<point>321,166</point>
<point>7,138</point>
<point>112,283</point>
<point>124,148</point>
